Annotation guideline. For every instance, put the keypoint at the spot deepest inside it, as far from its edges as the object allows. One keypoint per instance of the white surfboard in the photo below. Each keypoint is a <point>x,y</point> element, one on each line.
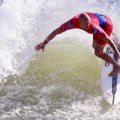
<point>110,85</point>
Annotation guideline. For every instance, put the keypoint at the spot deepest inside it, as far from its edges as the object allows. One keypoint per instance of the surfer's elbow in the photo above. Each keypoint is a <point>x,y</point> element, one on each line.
<point>98,53</point>
<point>107,39</point>
<point>110,41</point>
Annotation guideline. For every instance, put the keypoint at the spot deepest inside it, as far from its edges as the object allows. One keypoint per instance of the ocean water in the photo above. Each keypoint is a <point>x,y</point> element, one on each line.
<point>61,83</point>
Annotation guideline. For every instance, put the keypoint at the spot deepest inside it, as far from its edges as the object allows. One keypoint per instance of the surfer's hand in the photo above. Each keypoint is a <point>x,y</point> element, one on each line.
<point>40,46</point>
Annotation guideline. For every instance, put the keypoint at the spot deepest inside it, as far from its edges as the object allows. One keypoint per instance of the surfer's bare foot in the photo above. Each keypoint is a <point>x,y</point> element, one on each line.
<point>115,71</point>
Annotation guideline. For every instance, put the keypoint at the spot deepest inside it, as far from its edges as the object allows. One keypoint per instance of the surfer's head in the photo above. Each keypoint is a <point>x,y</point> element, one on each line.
<point>84,21</point>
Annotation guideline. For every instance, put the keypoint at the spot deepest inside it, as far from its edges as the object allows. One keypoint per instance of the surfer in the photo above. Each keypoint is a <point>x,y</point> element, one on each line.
<point>100,26</point>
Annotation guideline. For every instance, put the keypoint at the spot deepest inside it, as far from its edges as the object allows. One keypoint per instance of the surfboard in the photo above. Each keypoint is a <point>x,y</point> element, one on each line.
<point>110,85</point>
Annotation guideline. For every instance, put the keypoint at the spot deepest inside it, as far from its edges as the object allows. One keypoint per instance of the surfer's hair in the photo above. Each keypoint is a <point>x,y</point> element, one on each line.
<point>83,16</point>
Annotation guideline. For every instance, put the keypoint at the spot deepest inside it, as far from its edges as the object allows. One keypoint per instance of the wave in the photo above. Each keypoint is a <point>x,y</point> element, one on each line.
<point>64,81</point>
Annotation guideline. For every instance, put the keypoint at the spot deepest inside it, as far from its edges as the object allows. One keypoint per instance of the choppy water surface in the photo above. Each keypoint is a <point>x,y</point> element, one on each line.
<point>63,83</point>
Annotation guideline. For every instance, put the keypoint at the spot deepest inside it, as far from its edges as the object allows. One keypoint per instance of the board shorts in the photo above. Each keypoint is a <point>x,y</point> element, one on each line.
<point>107,27</point>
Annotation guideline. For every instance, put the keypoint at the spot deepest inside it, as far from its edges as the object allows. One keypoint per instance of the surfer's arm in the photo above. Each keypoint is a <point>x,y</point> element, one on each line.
<point>100,34</point>
<point>52,35</point>
<point>64,27</point>
<point>111,43</point>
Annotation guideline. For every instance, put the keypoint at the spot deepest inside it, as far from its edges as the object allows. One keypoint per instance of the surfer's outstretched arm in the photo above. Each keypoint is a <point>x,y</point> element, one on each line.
<point>49,37</point>
<point>64,27</point>
<point>52,35</point>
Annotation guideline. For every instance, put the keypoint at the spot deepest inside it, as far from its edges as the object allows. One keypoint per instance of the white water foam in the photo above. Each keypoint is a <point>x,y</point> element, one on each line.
<point>55,103</point>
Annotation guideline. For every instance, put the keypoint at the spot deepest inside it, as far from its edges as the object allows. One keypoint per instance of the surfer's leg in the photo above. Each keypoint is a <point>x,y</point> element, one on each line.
<point>100,44</point>
<point>99,53</point>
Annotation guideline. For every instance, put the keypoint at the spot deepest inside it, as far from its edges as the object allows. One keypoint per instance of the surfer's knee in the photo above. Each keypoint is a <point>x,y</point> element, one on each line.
<point>99,53</point>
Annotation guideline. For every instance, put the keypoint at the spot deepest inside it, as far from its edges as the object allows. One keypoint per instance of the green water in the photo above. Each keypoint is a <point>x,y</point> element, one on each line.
<point>65,73</point>
<point>68,64</point>
<point>64,63</point>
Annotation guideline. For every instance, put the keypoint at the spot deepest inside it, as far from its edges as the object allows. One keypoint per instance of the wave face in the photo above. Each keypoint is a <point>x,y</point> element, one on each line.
<point>63,83</point>
<point>24,23</point>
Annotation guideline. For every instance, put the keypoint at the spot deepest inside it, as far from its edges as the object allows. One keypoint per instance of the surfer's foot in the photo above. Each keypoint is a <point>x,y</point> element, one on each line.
<point>115,71</point>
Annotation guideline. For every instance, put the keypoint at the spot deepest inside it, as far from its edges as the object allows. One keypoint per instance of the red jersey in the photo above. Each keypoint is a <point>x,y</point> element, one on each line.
<point>99,26</point>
